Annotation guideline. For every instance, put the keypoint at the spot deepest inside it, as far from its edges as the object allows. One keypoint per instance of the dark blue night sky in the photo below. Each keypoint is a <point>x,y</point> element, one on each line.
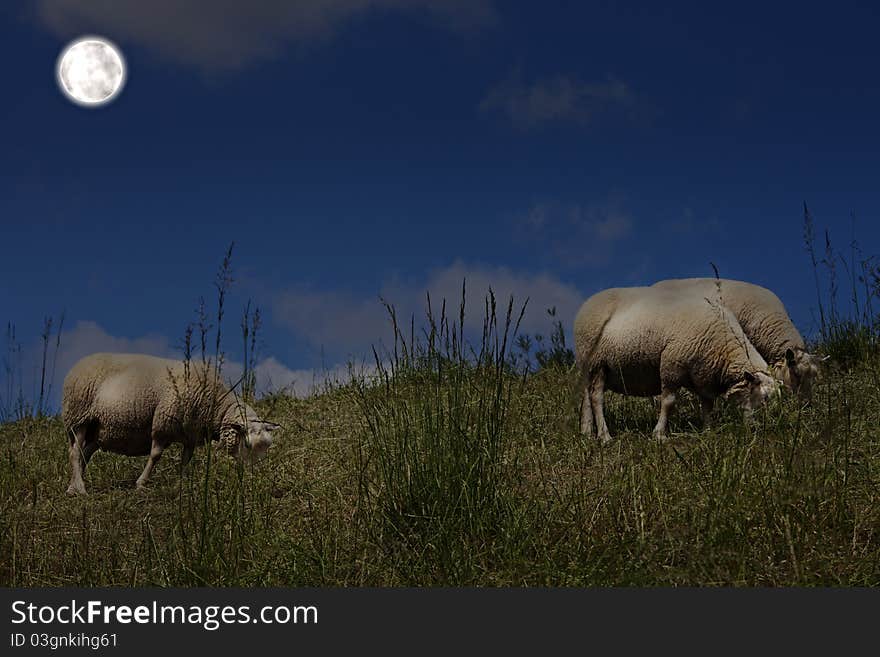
<point>358,148</point>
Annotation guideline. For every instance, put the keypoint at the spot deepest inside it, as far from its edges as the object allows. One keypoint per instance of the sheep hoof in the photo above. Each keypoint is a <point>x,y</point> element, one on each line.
<point>76,490</point>
<point>606,439</point>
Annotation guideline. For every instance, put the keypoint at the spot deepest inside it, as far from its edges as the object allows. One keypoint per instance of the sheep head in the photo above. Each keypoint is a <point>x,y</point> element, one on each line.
<point>797,370</point>
<point>753,390</point>
<point>245,436</point>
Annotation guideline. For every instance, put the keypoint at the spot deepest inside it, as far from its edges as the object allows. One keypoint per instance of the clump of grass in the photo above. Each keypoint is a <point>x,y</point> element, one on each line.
<point>554,354</point>
<point>849,335</point>
<point>15,403</point>
<point>434,461</point>
<point>12,402</point>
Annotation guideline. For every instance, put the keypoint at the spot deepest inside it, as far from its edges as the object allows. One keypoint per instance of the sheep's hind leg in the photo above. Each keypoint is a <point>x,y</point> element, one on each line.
<point>586,408</point>
<point>667,401</point>
<point>78,461</point>
<point>156,450</point>
<point>597,397</point>
<point>88,450</point>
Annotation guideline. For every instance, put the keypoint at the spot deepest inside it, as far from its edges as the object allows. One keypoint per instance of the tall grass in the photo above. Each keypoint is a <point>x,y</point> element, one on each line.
<point>434,462</point>
<point>16,401</point>
<point>554,354</point>
<point>848,334</point>
<point>220,506</point>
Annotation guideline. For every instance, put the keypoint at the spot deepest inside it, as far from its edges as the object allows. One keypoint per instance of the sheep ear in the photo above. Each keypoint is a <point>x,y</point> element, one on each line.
<point>271,426</point>
<point>789,357</point>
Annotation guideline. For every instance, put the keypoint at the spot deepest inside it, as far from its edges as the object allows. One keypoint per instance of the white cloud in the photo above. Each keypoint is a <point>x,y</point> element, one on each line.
<point>577,235</point>
<point>559,98</point>
<point>332,318</point>
<point>543,291</point>
<point>224,35</point>
<point>88,337</point>
<point>346,325</point>
<point>611,227</point>
<point>274,376</point>
<point>84,338</point>
<point>690,224</point>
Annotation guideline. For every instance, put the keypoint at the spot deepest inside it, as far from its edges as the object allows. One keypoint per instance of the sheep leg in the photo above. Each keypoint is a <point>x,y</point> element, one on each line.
<point>155,453</point>
<point>586,408</point>
<point>706,406</point>
<point>597,397</point>
<point>78,461</point>
<point>186,455</point>
<point>88,450</point>
<point>667,401</point>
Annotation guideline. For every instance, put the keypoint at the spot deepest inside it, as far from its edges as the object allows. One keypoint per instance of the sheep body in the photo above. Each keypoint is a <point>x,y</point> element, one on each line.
<point>137,405</point>
<point>764,320</point>
<point>643,341</point>
<point>760,313</point>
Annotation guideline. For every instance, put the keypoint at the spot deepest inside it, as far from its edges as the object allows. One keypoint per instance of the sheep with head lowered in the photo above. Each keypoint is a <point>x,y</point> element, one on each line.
<point>645,341</point>
<point>137,405</point>
<point>765,322</point>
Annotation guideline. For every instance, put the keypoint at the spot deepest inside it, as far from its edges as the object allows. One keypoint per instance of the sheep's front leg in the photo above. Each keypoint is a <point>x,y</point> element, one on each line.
<point>597,398</point>
<point>706,406</point>
<point>667,401</point>
<point>78,462</point>
<point>186,455</point>
<point>156,450</point>
<point>586,408</point>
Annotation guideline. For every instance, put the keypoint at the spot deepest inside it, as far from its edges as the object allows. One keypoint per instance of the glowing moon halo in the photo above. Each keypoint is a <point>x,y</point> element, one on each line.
<point>91,71</point>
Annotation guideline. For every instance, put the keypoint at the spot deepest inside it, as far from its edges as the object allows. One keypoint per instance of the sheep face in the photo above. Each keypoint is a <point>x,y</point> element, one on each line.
<point>753,391</point>
<point>798,370</point>
<point>248,441</point>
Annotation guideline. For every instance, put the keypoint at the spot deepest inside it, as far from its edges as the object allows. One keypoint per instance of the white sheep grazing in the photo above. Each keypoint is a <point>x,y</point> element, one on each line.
<point>137,405</point>
<point>644,341</point>
<point>765,322</point>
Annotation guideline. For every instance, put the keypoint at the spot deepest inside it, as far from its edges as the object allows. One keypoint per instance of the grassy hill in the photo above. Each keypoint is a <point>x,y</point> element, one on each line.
<point>450,467</point>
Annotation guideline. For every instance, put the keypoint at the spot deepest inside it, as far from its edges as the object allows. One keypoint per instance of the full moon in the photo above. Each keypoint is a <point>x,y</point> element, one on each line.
<point>91,71</point>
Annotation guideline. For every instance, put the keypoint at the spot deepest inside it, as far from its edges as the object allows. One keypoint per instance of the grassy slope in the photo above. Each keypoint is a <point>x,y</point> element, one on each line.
<point>467,478</point>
